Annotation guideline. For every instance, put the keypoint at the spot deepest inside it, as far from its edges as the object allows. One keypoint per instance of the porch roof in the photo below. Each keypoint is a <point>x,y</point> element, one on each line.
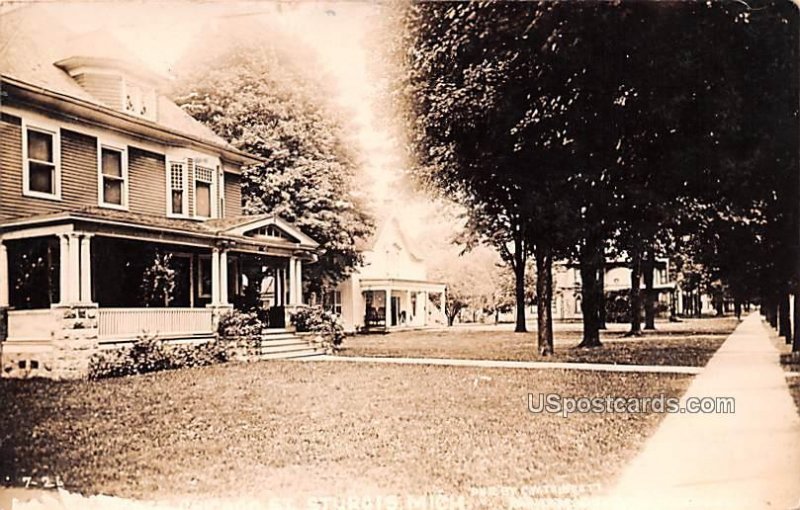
<point>401,284</point>
<point>114,223</point>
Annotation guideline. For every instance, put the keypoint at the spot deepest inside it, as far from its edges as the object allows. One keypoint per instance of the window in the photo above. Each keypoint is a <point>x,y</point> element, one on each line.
<point>41,173</point>
<point>113,177</point>
<point>177,199</point>
<point>270,231</point>
<point>203,179</point>
<point>335,302</point>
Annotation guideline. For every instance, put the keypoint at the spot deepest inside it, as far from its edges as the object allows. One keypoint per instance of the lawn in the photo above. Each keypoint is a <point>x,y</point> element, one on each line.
<point>288,429</point>
<point>688,343</point>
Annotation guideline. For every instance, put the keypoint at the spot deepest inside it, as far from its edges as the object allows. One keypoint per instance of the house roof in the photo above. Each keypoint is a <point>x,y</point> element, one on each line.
<point>392,221</point>
<point>231,229</point>
<point>33,42</point>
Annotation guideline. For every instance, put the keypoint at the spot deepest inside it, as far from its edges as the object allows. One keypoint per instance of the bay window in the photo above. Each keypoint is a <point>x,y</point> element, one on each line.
<point>177,199</point>
<point>203,180</point>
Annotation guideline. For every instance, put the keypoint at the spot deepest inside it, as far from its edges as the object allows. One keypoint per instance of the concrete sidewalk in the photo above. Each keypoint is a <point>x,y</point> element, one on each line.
<point>749,459</point>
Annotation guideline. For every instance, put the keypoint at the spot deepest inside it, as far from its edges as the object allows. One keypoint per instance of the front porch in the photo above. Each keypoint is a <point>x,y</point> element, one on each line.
<point>80,280</point>
<point>395,303</point>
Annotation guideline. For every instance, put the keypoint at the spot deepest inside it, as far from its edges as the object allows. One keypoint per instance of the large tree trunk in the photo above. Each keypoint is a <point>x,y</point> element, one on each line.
<point>784,322</point>
<point>519,285</point>
<point>772,312</point>
<point>648,266</point>
<point>589,267</point>
<point>796,336</point>
<point>544,294</point>
<point>601,292</point>
<point>635,293</point>
<point>737,307</point>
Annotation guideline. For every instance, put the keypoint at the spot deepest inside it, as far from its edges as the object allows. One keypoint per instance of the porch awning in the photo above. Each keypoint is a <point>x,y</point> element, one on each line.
<point>263,234</point>
<point>401,284</point>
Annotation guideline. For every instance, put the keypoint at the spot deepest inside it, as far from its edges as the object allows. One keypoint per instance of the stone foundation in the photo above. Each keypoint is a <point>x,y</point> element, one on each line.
<point>65,355</point>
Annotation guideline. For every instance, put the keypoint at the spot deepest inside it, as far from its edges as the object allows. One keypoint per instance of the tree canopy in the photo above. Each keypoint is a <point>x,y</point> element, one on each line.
<point>262,93</point>
<point>642,127</point>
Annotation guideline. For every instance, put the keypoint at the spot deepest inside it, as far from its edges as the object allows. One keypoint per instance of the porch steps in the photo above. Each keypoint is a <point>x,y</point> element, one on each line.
<point>284,344</point>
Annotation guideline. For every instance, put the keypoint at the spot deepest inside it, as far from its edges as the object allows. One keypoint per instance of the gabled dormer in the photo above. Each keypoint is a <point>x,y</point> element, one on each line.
<point>104,69</point>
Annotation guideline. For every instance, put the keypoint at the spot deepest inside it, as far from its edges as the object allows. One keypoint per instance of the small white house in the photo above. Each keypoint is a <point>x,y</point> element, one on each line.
<point>392,273</point>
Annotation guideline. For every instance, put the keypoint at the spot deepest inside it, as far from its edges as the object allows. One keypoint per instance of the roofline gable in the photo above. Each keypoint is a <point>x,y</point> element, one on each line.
<point>403,239</point>
<point>265,221</point>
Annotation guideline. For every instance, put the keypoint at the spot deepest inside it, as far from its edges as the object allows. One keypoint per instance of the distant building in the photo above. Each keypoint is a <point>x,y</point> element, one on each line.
<point>617,284</point>
<point>392,274</point>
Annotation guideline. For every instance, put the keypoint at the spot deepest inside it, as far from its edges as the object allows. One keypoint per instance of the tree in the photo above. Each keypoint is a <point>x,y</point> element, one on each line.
<point>158,280</point>
<point>483,103</point>
<point>257,93</point>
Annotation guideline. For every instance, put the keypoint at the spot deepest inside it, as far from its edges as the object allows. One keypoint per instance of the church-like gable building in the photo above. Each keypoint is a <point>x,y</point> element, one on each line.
<point>391,289</point>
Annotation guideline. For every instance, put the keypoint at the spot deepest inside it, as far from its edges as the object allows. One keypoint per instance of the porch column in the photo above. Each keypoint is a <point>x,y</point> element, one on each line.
<point>86,269</point>
<point>63,269</point>
<point>298,281</point>
<point>442,304</point>
<point>3,275</point>
<point>279,292</point>
<point>215,276</point>
<point>223,277</point>
<point>74,273</point>
<point>387,308</point>
<point>293,291</point>
<point>409,312</point>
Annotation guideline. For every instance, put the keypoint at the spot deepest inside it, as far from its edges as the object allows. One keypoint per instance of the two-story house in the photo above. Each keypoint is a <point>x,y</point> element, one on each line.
<point>119,213</point>
<point>567,290</point>
<point>391,289</point>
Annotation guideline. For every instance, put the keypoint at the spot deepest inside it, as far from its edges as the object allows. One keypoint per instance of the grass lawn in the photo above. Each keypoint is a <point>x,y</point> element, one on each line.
<point>302,429</point>
<point>688,343</point>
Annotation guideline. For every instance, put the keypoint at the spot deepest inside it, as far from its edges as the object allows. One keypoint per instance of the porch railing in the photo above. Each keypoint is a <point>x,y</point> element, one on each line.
<point>165,322</point>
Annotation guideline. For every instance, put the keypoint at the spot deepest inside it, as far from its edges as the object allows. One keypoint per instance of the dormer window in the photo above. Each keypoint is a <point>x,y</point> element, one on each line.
<point>139,100</point>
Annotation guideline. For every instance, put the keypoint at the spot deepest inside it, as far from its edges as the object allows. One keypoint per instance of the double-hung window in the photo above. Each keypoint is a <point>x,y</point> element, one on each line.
<point>178,199</point>
<point>41,175</point>
<point>334,302</point>
<point>113,183</point>
<point>203,185</point>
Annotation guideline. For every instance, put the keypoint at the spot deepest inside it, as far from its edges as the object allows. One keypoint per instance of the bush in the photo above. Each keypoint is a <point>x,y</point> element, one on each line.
<point>240,324</point>
<point>149,354</point>
<point>313,319</point>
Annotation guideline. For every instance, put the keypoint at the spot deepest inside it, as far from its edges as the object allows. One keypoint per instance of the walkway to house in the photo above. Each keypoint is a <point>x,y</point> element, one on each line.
<point>749,459</point>
<point>485,363</point>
